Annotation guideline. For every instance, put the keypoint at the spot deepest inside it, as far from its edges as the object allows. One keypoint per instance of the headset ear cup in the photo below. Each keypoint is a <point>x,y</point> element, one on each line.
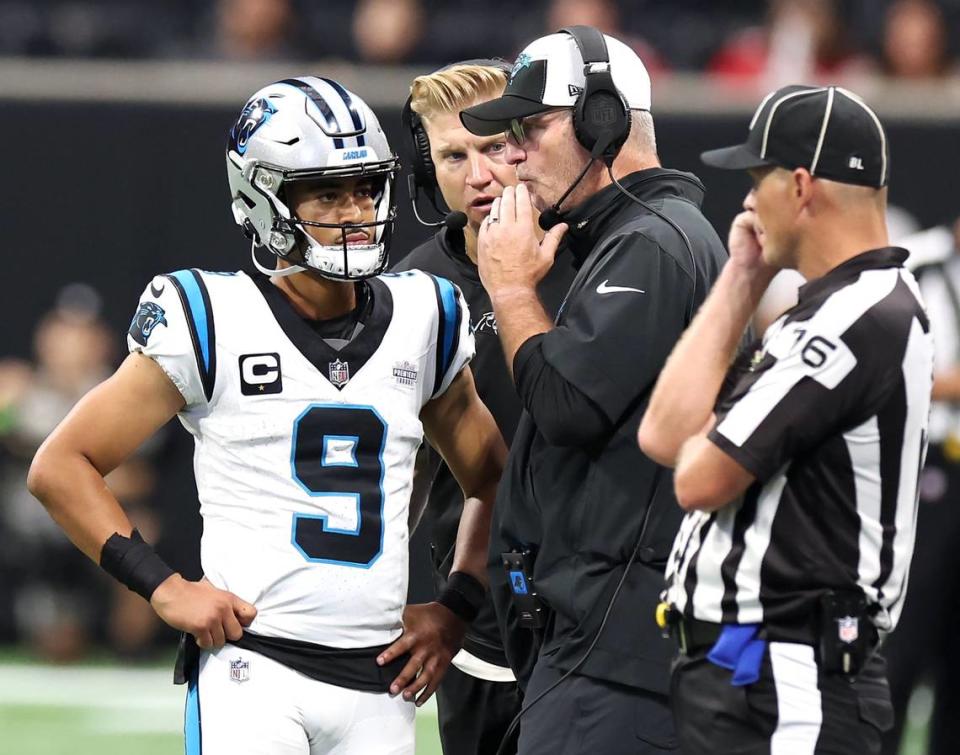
<point>422,148</point>
<point>581,129</point>
<point>601,118</point>
<point>421,164</point>
<point>605,119</point>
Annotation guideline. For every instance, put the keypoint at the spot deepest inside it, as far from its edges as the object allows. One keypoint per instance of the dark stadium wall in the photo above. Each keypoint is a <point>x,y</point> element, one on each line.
<point>110,194</point>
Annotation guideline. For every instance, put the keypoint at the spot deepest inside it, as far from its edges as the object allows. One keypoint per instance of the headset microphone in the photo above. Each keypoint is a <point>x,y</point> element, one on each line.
<point>414,193</point>
<point>455,221</point>
<point>552,215</point>
<point>549,218</point>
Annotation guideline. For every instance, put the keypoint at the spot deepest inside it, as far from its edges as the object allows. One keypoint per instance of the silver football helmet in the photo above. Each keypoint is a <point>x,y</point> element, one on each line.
<point>306,129</point>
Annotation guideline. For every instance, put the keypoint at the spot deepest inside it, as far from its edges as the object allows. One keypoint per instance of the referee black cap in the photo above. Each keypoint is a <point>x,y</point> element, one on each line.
<point>829,131</point>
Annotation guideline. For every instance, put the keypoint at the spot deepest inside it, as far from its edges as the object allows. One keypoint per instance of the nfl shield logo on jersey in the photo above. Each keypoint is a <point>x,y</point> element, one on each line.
<point>848,629</point>
<point>339,373</point>
<point>239,670</point>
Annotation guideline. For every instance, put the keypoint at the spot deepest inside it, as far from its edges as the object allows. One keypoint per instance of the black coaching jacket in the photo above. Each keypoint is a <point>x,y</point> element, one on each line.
<point>577,490</point>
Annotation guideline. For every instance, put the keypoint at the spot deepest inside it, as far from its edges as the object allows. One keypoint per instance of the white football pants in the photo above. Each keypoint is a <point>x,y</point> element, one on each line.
<point>243,703</point>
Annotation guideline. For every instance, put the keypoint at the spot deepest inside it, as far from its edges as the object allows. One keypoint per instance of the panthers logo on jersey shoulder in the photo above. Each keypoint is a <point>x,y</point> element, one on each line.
<point>148,316</point>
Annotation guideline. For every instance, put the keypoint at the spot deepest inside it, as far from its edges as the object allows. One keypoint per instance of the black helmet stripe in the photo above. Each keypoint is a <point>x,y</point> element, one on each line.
<point>348,101</point>
<point>325,110</point>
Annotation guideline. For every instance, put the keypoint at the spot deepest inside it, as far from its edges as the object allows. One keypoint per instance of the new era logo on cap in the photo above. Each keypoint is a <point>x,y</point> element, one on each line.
<point>830,131</point>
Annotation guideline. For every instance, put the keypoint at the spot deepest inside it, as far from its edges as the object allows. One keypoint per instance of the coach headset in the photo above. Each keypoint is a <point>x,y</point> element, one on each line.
<point>601,118</point>
<point>423,173</point>
<point>601,124</point>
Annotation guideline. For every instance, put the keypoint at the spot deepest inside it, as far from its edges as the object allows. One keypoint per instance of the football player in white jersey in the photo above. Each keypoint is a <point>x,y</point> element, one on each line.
<point>308,389</point>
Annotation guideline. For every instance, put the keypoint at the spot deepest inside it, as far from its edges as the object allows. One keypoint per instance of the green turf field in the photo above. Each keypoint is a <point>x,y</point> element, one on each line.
<point>104,710</point>
<point>108,710</point>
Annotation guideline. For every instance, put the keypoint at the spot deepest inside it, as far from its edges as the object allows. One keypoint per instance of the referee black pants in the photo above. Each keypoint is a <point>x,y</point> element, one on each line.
<point>585,716</point>
<point>474,714</point>
<point>793,709</point>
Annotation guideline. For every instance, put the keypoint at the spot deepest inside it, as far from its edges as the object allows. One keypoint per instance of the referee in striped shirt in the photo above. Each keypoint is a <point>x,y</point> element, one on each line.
<point>798,464</point>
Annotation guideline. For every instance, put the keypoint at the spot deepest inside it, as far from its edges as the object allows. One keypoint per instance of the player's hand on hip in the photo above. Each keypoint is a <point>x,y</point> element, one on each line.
<point>211,615</point>
<point>508,253</point>
<point>432,635</point>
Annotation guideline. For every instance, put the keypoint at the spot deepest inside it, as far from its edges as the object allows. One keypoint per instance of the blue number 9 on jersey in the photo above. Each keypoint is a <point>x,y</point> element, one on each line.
<point>337,451</point>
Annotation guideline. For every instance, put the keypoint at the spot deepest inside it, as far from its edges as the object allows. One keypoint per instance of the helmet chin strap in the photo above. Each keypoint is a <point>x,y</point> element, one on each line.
<point>275,272</point>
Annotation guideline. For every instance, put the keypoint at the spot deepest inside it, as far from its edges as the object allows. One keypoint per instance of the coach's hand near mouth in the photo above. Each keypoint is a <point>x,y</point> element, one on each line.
<point>512,262</point>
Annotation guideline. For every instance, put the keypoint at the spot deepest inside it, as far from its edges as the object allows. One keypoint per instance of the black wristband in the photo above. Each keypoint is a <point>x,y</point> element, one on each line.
<point>463,594</point>
<point>131,561</point>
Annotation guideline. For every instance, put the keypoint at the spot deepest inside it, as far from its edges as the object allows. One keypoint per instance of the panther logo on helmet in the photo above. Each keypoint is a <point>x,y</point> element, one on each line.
<point>254,115</point>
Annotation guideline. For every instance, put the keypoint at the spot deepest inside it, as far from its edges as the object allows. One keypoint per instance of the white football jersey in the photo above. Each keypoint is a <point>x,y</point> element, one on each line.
<point>304,454</point>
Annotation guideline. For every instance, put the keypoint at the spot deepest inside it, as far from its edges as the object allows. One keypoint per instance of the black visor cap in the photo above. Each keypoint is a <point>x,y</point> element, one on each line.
<point>738,157</point>
<point>493,117</point>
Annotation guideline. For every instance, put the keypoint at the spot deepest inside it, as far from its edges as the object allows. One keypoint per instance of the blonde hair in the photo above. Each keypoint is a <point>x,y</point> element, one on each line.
<point>454,88</point>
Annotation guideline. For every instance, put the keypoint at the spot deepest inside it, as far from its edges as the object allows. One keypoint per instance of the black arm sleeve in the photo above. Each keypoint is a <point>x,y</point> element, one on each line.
<point>564,414</point>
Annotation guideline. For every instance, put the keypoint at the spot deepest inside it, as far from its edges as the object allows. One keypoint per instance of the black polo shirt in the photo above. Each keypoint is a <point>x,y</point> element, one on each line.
<point>580,502</point>
<point>444,254</point>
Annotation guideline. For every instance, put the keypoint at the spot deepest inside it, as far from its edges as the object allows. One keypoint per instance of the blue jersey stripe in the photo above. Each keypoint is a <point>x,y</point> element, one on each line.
<point>198,311</point>
<point>197,307</point>
<point>448,298</point>
<point>191,716</point>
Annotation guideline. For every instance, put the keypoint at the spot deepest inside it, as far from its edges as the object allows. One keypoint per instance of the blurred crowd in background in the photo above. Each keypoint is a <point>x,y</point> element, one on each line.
<point>52,598</point>
<point>737,40</point>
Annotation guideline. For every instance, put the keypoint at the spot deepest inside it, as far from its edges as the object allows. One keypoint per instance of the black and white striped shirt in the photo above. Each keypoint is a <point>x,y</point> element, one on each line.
<point>830,415</point>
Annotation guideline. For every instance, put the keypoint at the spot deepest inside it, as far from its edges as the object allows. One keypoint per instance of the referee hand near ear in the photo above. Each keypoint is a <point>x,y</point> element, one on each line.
<point>797,466</point>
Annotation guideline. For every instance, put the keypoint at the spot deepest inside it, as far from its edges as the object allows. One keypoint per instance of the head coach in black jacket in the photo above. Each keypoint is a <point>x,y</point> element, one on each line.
<point>596,517</point>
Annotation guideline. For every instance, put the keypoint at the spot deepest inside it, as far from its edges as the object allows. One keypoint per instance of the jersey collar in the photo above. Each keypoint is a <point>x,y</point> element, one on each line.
<point>313,347</point>
<point>874,259</point>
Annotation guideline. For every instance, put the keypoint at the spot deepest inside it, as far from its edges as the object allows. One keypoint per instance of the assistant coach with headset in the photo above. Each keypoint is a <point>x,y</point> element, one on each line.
<point>799,464</point>
<point>584,519</point>
<point>478,697</point>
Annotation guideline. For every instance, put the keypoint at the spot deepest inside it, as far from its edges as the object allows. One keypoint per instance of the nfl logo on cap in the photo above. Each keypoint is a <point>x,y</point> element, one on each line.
<point>239,670</point>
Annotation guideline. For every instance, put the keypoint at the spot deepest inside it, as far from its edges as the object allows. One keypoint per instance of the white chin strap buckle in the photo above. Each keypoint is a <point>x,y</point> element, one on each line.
<point>273,272</point>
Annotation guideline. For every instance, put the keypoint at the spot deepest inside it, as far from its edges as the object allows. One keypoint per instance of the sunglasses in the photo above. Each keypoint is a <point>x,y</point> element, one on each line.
<point>516,132</point>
